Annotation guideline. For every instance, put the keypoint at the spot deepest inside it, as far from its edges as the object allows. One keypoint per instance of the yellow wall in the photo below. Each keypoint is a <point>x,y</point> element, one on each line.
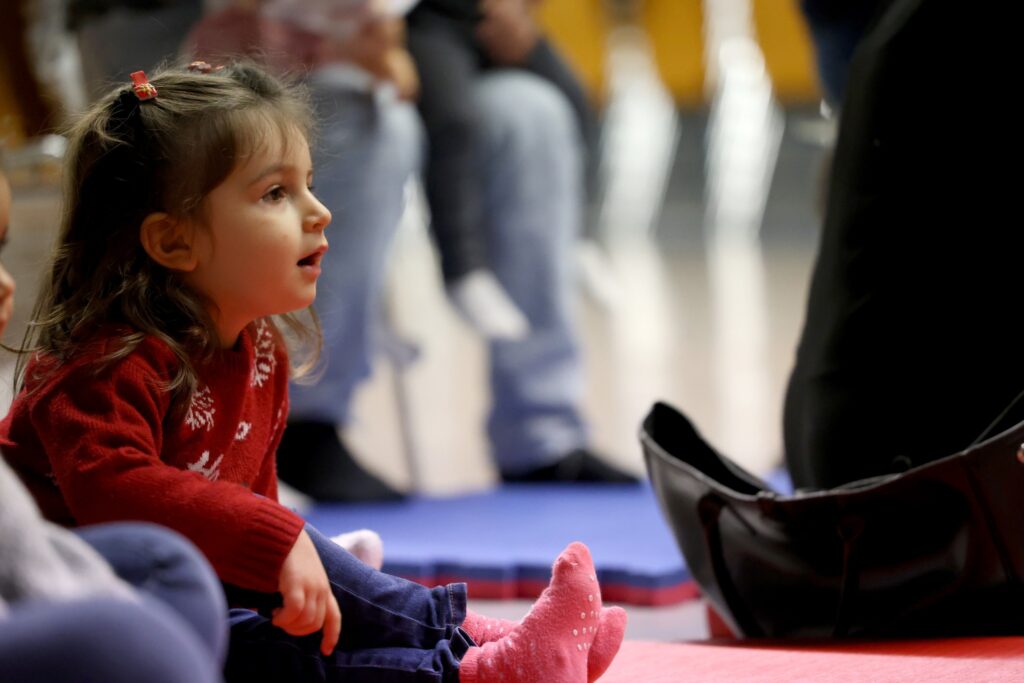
<point>788,53</point>
<point>580,29</point>
<point>676,32</point>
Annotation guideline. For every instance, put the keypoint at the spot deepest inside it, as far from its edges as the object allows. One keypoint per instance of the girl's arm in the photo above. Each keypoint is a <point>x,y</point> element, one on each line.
<point>103,434</point>
<point>308,604</point>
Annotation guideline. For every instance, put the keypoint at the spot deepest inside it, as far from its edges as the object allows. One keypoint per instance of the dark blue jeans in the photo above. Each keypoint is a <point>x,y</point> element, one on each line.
<point>392,631</point>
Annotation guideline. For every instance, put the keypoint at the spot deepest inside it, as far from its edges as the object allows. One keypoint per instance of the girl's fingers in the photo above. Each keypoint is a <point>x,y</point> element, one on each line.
<point>332,626</point>
<point>293,604</point>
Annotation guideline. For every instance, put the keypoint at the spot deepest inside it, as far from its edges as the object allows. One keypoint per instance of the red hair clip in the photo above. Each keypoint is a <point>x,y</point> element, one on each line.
<point>144,90</point>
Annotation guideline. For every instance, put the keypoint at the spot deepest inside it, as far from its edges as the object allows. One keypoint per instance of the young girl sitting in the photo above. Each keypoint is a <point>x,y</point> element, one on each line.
<point>157,390</point>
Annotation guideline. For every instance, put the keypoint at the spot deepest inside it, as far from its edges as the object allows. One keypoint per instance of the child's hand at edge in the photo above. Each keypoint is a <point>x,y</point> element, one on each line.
<point>402,72</point>
<point>508,32</point>
<point>6,298</point>
<point>308,603</point>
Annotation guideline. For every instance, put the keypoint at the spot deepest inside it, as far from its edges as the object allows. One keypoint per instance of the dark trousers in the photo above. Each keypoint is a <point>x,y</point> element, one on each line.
<point>911,341</point>
<point>449,59</point>
<point>392,630</point>
<point>836,29</point>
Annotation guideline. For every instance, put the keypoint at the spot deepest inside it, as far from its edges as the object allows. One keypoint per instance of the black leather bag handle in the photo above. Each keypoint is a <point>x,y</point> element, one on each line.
<point>1000,423</point>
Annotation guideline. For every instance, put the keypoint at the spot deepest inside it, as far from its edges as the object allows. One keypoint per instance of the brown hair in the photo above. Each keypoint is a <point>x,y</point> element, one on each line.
<point>127,159</point>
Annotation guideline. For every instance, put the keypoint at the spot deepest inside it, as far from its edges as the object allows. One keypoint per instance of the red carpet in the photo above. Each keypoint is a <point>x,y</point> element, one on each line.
<point>966,660</point>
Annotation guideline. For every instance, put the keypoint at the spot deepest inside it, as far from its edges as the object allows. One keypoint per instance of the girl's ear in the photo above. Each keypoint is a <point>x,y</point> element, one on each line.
<point>169,241</point>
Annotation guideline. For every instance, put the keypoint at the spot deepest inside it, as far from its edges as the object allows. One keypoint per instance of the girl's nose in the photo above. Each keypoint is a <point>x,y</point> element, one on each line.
<point>319,217</point>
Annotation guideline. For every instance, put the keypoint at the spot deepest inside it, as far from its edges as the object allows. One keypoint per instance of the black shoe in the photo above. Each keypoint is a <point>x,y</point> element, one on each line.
<point>313,459</point>
<point>578,466</point>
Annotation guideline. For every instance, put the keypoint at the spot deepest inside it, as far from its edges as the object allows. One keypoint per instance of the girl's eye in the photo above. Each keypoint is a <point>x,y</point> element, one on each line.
<point>275,194</point>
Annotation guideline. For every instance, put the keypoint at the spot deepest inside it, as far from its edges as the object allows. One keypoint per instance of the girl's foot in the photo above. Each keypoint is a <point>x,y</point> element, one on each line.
<point>553,641</point>
<point>610,630</point>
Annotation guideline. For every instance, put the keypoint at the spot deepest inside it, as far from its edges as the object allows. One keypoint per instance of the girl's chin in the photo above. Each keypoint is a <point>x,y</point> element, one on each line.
<point>297,306</point>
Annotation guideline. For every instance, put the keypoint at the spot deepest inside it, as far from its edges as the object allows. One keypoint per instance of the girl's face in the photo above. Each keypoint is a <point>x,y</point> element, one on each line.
<point>262,238</point>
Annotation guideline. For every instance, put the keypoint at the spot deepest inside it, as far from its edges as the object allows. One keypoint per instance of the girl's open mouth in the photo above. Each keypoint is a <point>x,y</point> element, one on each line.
<point>313,260</point>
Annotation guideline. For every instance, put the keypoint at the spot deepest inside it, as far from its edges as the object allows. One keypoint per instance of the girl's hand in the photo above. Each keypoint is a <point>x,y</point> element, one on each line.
<point>308,603</point>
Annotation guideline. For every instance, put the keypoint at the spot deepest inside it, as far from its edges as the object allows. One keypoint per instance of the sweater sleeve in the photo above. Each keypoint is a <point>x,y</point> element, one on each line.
<point>103,433</point>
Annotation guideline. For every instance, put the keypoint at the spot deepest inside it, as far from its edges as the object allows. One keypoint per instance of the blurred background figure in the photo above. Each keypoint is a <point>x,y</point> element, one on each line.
<point>455,42</point>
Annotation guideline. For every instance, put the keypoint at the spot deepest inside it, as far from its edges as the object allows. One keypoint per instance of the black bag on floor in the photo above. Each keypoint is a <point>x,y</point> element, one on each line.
<point>937,550</point>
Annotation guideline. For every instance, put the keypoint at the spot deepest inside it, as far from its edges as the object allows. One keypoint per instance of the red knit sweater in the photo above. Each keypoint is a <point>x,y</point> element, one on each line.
<point>99,447</point>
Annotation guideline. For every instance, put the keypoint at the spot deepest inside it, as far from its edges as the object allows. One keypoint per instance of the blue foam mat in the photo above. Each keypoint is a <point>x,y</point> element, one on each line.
<point>514,532</point>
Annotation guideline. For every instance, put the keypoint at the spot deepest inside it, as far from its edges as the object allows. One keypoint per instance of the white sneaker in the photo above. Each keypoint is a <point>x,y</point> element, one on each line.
<point>483,303</point>
<point>365,544</point>
<point>598,276</point>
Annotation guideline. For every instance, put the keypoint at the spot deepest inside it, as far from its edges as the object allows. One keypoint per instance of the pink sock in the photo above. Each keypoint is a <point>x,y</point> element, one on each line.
<point>606,643</point>
<point>610,631</point>
<point>552,643</point>
<point>486,629</point>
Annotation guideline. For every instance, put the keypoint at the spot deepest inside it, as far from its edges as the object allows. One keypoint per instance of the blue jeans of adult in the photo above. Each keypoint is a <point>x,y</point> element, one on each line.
<point>532,161</point>
<point>165,566</point>
<point>365,153</point>
<point>175,633</point>
<point>450,60</point>
<point>393,631</point>
<point>101,640</point>
<point>531,167</point>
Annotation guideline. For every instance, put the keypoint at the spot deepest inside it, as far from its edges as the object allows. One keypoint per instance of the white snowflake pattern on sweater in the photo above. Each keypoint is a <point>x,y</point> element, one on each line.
<point>243,431</point>
<point>201,410</point>
<point>278,423</point>
<point>212,472</point>
<point>264,361</point>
